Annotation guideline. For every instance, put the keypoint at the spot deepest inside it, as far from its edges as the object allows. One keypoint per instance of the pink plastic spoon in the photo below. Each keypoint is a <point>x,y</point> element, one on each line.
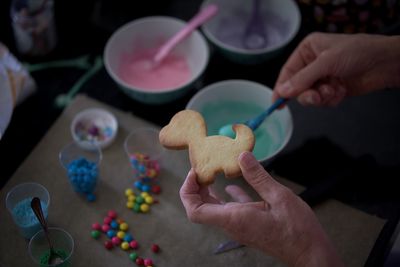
<point>204,15</point>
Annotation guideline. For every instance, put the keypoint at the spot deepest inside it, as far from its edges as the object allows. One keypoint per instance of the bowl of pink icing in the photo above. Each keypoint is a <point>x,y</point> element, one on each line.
<point>130,50</point>
<point>279,20</point>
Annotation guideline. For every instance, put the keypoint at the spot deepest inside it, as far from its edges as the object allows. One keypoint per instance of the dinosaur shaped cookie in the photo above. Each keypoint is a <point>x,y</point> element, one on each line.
<point>208,155</point>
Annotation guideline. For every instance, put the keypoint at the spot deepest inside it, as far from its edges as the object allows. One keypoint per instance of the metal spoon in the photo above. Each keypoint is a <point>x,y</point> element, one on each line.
<point>254,35</point>
<point>54,257</point>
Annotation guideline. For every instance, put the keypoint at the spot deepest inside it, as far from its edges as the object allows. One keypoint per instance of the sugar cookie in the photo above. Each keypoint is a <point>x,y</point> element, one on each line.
<point>208,155</point>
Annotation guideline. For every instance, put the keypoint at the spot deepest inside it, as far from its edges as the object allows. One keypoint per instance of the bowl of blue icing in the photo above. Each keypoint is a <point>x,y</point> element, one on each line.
<point>252,31</point>
<point>235,101</point>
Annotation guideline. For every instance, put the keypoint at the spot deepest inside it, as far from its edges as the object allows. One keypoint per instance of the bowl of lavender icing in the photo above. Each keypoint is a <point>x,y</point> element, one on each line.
<point>277,21</point>
<point>235,101</point>
<point>133,45</point>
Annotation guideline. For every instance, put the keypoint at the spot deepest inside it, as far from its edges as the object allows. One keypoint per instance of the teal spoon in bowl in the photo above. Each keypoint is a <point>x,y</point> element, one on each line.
<point>253,123</point>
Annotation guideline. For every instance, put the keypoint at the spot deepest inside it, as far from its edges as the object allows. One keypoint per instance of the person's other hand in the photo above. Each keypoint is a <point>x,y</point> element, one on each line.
<point>325,68</point>
<point>281,224</point>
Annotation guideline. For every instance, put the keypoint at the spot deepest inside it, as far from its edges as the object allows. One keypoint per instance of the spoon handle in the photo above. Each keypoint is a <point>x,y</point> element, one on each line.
<point>37,209</point>
<point>201,17</point>
<point>254,123</point>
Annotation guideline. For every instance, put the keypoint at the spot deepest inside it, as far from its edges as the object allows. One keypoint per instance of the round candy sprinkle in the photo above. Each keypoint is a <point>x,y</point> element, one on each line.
<point>134,244</point>
<point>108,244</point>
<point>148,262</point>
<point>139,200</point>
<point>90,197</point>
<point>131,198</point>
<point>136,207</point>
<point>119,221</point>
<point>144,194</point>
<point>148,200</point>
<point>116,241</point>
<point>128,238</point>
<point>133,256</point>
<point>123,226</point>
<point>120,234</point>
<point>96,226</point>
<point>110,233</point>
<point>114,224</point>
<point>138,185</point>
<point>156,189</point>
<point>95,234</point>
<point>144,207</point>
<point>105,228</point>
<point>146,188</point>
<point>112,214</point>
<point>155,248</point>
<point>139,261</point>
<point>129,204</point>
<point>125,245</point>
<point>107,220</point>
<point>128,192</point>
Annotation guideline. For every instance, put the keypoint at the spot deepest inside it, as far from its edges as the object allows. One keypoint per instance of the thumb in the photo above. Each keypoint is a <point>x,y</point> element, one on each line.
<point>304,79</point>
<point>256,175</point>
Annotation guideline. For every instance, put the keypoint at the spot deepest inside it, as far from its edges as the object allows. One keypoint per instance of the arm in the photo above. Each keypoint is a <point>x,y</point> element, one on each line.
<point>291,233</point>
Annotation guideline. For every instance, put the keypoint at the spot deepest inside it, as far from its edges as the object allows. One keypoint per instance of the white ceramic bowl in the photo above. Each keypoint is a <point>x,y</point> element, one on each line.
<point>282,19</point>
<point>233,101</point>
<point>94,126</point>
<point>147,32</point>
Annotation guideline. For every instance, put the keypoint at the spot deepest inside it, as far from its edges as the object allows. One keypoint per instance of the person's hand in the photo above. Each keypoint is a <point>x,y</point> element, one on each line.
<point>281,224</point>
<point>325,68</point>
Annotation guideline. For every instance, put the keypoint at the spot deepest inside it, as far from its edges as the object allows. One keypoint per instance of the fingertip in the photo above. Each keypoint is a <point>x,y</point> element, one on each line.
<point>309,98</point>
<point>247,160</point>
<point>284,89</point>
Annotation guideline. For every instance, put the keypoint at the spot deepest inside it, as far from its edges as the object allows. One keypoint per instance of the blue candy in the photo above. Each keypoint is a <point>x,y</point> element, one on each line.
<point>83,176</point>
<point>114,224</point>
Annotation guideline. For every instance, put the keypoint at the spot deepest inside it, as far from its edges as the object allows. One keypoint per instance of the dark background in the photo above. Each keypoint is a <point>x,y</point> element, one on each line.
<point>350,152</point>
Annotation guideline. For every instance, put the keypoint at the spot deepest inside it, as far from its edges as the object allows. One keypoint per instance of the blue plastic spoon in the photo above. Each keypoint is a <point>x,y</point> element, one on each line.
<point>252,123</point>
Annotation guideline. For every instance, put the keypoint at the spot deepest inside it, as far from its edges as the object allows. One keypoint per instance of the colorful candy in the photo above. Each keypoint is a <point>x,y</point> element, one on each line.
<point>116,230</point>
<point>95,234</point>
<point>82,174</point>
<point>133,256</point>
<point>139,261</point>
<point>115,240</point>
<point>155,248</point>
<point>143,166</point>
<point>134,244</point>
<point>147,262</point>
<point>92,132</point>
<point>121,234</point>
<point>125,245</point>
<point>111,233</point>
<point>108,245</point>
<point>96,226</point>
<point>112,214</point>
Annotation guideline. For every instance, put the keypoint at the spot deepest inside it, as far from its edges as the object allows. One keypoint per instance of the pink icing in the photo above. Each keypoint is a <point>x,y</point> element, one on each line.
<point>136,69</point>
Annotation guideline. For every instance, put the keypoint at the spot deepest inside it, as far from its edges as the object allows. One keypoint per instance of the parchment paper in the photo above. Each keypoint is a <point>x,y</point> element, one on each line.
<point>182,242</point>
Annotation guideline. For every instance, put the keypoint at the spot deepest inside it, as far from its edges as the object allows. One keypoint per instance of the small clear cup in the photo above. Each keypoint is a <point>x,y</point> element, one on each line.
<point>82,167</point>
<point>62,242</point>
<point>145,153</point>
<point>18,203</point>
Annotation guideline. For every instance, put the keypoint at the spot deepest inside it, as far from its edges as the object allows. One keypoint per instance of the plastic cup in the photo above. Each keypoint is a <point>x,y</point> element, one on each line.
<point>18,203</point>
<point>82,167</point>
<point>144,152</point>
<point>62,242</point>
